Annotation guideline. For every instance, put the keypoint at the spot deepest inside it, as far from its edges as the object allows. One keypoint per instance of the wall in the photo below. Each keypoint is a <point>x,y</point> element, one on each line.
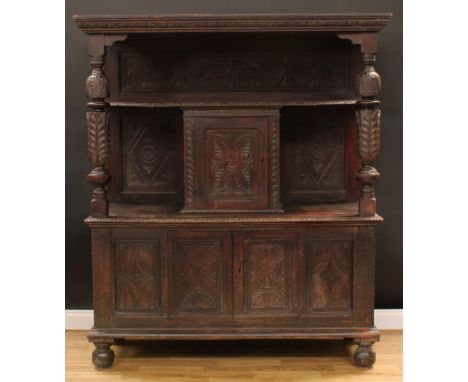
<point>389,271</point>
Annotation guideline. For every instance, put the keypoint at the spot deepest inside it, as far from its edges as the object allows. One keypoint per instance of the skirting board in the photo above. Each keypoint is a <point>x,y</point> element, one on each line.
<point>385,319</point>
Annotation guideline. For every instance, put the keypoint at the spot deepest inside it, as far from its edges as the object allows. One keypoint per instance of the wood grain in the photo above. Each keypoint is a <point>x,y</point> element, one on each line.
<point>291,361</point>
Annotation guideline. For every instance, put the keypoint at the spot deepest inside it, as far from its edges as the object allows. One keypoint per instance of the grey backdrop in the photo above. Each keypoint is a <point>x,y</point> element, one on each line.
<point>389,272</point>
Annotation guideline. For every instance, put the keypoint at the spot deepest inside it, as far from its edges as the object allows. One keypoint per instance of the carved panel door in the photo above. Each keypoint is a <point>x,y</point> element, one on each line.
<point>266,270</point>
<point>227,162</point>
<point>200,269</point>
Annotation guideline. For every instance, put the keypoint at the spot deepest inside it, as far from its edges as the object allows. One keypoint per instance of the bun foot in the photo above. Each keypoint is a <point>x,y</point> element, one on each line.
<point>364,356</point>
<point>103,355</point>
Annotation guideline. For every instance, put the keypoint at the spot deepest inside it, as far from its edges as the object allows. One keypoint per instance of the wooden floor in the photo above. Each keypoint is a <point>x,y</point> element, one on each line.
<point>290,361</point>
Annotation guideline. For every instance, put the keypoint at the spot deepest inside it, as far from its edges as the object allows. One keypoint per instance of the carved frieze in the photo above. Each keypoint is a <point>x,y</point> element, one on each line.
<point>208,71</point>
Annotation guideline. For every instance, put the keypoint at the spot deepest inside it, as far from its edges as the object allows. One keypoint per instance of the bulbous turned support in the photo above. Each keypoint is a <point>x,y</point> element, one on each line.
<point>103,356</point>
<point>364,355</point>
<point>368,87</point>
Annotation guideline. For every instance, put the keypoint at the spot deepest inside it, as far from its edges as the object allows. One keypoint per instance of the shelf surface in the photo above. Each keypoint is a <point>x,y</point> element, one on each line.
<point>152,215</point>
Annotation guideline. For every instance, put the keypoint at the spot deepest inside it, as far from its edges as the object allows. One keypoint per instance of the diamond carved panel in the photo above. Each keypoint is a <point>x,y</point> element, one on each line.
<point>149,163</point>
<point>318,158</point>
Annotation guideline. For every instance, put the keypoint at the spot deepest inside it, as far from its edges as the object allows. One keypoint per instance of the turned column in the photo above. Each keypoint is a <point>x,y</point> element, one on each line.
<point>97,121</point>
<point>97,89</point>
<point>368,86</point>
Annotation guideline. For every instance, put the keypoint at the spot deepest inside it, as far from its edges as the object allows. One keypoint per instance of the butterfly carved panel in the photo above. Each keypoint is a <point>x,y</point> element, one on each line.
<point>227,162</point>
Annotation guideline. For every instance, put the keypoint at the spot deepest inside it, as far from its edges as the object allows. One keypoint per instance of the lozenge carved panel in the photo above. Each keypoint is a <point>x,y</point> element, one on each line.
<point>149,163</point>
<point>314,147</point>
<point>137,281</point>
<point>328,275</point>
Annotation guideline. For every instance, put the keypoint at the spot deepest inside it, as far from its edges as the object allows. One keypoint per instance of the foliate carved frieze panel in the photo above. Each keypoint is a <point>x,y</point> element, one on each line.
<point>210,71</point>
<point>137,276</point>
<point>149,155</point>
<point>197,276</point>
<point>329,275</point>
<point>267,265</point>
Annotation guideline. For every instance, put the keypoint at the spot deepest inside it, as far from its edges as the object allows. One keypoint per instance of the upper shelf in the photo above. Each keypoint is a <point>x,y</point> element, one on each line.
<point>317,22</point>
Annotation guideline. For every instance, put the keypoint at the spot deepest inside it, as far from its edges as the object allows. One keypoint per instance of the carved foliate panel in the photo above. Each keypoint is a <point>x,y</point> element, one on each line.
<point>233,157</point>
<point>267,274</point>
<point>98,136</point>
<point>369,134</point>
<point>227,162</point>
<point>328,275</point>
<point>148,149</point>
<point>197,275</point>
<point>137,285</point>
<point>234,71</point>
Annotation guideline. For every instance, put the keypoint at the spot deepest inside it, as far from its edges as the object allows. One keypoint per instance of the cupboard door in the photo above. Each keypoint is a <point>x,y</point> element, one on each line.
<point>200,266</point>
<point>230,163</point>
<point>265,273</point>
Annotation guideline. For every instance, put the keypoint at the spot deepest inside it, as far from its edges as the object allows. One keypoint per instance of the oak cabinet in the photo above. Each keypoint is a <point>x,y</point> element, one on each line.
<point>233,177</point>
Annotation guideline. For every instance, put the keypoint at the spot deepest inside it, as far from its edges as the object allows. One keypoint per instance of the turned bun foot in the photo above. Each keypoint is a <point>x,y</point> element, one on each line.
<point>364,355</point>
<point>103,356</point>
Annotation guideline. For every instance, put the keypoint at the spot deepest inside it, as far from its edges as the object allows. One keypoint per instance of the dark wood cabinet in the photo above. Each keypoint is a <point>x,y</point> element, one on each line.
<point>233,177</point>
